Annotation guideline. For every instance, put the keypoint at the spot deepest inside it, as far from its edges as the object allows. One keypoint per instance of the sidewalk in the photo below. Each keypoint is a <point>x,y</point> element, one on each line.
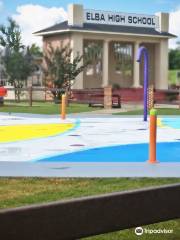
<point>125,108</point>
<point>110,111</point>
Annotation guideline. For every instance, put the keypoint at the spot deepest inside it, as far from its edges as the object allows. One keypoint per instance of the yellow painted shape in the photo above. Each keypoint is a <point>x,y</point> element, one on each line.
<point>159,122</point>
<point>31,131</point>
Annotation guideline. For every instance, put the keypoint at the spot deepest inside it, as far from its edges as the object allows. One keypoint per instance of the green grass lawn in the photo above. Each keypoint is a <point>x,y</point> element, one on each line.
<point>52,108</point>
<point>172,76</point>
<point>161,111</point>
<point>43,108</point>
<point>16,192</point>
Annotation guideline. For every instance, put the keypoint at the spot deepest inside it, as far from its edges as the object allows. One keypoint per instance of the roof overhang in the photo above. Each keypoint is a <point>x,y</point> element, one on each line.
<point>101,32</point>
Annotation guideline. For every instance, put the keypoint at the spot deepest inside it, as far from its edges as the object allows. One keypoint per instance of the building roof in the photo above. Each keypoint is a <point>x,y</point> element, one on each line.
<point>90,27</point>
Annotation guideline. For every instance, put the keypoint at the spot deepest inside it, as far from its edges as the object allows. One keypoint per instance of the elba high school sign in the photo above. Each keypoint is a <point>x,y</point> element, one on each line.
<point>126,19</point>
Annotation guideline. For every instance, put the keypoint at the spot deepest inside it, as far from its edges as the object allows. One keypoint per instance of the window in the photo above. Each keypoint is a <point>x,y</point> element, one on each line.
<point>123,55</point>
<point>93,55</point>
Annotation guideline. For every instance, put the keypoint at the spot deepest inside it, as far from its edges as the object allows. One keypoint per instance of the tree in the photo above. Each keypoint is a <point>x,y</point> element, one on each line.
<point>93,57</point>
<point>174,57</point>
<point>19,66</point>
<point>60,68</point>
<point>93,52</point>
<point>11,36</point>
<point>17,59</point>
<point>35,50</point>
<point>178,45</point>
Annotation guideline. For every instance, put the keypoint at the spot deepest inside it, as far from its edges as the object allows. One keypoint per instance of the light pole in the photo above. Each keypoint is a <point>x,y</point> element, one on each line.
<point>143,50</point>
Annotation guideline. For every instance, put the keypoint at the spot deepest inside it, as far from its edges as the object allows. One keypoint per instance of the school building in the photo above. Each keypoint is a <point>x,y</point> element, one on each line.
<point>116,38</point>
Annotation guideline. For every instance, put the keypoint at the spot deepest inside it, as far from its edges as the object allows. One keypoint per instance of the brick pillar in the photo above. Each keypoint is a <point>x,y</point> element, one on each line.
<point>107,97</point>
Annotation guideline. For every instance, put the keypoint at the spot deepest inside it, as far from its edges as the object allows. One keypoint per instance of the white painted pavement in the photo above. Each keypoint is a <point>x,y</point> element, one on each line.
<point>17,158</point>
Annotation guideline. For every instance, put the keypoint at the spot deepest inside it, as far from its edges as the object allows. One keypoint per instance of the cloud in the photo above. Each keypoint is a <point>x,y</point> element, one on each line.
<point>32,18</point>
<point>174,26</point>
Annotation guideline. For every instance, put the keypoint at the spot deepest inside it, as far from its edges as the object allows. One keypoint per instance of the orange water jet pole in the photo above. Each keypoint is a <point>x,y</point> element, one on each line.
<point>152,136</point>
<point>63,107</point>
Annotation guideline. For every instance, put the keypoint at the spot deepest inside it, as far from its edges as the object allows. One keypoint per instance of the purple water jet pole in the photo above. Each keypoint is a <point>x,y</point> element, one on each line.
<point>143,50</point>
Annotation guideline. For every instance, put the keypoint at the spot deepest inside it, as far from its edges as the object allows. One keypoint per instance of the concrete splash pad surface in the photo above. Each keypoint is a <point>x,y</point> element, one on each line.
<point>25,157</point>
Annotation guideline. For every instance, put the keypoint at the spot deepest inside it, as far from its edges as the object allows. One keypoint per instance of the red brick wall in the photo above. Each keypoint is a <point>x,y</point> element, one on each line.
<point>127,95</point>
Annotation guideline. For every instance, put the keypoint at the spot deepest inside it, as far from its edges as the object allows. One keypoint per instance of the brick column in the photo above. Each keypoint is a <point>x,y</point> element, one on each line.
<point>108,97</point>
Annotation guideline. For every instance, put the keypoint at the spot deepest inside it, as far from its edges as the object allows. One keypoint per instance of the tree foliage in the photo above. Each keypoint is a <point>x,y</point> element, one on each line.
<point>61,69</point>
<point>93,52</point>
<point>19,66</point>
<point>35,50</point>
<point>17,59</point>
<point>174,59</point>
<point>11,36</point>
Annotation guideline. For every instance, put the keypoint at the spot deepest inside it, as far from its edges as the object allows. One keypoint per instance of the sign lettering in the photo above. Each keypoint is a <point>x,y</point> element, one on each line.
<point>124,19</point>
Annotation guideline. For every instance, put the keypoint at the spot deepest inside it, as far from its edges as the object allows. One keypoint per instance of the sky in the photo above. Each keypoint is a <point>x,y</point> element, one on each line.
<point>34,15</point>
